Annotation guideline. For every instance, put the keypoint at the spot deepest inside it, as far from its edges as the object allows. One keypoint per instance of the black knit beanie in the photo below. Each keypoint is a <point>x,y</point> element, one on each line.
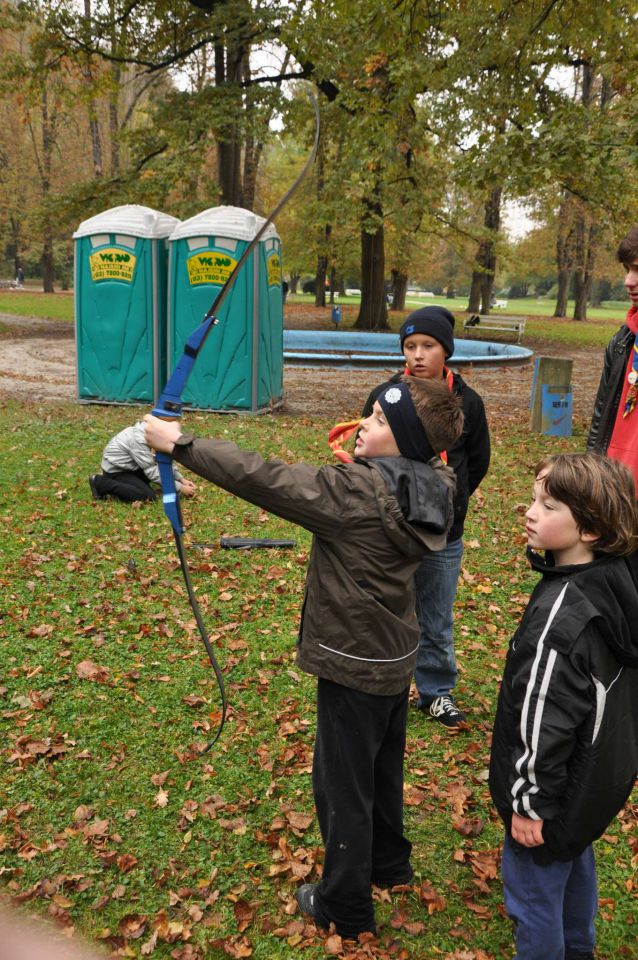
<point>435,322</point>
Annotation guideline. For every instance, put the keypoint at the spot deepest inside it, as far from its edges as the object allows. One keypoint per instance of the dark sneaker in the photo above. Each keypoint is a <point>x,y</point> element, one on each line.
<point>446,712</point>
<point>94,490</point>
<point>306,898</point>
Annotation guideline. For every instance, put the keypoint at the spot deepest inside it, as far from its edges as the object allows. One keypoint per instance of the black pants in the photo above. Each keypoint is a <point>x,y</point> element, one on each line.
<point>127,485</point>
<point>357,778</point>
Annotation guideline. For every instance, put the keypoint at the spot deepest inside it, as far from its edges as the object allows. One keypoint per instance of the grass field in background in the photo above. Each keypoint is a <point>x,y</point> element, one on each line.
<point>110,821</point>
<point>30,303</point>
<point>594,332</point>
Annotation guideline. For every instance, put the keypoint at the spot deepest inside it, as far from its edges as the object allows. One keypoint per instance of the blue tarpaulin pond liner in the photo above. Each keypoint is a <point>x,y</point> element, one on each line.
<point>120,304</point>
<point>324,348</point>
<point>240,367</point>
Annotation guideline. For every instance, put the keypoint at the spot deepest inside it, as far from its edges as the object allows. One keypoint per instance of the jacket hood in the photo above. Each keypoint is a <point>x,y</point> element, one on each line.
<point>610,593</point>
<point>424,493</point>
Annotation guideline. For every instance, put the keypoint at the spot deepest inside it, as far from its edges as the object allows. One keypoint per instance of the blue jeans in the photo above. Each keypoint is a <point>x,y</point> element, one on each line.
<point>553,906</point>
<point>436,581</point>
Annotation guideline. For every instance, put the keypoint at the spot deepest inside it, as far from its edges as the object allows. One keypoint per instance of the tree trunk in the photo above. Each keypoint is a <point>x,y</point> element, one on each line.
<point>474,302</point>
<point>320,281</point>
<point>580,301</point>
<point>294,282</point>
<point>253,147</point>
<point>322,268</point>
<point>562,296</point>
<point>47,262</point>
<point>322,239</point>
<point>586,231</point>
<point>483,275</point>
<point>94,126</point>
<point>586,247</point>
<point>492,223</point>
<point>564,254</point>
<point>227,63</point>
<point>333,284</point>
<point>373,311</point>
<point>15,232</point>
<point>399,289</point>
<point>596,294</point>
<point>48,142</point>
<point>114,119</point>
<point>252,156</point>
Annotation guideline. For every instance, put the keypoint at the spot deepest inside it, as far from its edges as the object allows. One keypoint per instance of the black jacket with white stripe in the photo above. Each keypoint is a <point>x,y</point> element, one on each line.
<point>565,742</point>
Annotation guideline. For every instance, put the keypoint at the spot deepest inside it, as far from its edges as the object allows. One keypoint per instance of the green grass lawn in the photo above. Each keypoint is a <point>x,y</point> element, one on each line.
<point>525,306</point>
<point>596,331</point>
<point>110,820</point>
<point>29,303</point>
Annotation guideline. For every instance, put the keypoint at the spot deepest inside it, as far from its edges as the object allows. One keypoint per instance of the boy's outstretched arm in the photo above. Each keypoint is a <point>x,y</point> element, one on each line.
<point>312,497</point>
<point>529,833</point>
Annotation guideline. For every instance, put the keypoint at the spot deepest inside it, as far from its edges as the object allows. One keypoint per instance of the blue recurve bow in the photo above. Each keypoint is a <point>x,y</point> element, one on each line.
<point>169,407</point>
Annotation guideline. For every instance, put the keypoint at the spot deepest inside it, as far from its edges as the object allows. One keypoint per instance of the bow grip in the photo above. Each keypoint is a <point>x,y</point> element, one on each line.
<point>169,491</point>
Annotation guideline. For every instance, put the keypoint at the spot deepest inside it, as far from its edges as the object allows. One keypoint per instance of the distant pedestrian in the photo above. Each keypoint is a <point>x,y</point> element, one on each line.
<point>20,277</point>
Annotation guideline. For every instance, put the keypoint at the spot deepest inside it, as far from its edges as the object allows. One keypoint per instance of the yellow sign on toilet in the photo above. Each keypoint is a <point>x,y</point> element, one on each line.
<point>112,263</point>
<point>274,270</point>
<point>209,267</point>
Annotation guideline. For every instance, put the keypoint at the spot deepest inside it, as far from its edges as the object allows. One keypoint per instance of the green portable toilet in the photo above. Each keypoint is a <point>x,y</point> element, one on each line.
<point>121,271</point>
<point>240,367</point>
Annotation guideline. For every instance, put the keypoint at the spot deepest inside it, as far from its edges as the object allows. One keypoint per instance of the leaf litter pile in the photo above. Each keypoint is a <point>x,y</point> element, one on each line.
<point>115,827</point>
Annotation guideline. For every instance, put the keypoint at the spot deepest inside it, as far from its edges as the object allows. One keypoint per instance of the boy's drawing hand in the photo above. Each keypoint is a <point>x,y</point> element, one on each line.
<point>161,434</point>
<point>187,488</point>
<point>529,833</point>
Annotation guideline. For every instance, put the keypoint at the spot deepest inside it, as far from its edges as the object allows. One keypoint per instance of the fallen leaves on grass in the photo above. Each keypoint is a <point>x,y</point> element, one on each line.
<point>88,670</point>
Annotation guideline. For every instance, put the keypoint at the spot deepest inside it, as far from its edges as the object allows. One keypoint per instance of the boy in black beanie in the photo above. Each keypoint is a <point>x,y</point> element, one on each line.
<point>427,341</point>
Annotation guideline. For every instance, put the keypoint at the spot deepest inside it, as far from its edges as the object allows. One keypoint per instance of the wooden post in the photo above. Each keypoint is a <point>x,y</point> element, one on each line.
<point>551,404</point>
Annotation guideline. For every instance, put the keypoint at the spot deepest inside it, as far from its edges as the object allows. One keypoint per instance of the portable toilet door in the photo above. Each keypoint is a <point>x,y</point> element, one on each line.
<point>240,367</point>
<point>120,304</point>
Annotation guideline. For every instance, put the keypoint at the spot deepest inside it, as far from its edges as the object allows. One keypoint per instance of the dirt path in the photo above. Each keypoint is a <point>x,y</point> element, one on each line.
<point>37,362</point>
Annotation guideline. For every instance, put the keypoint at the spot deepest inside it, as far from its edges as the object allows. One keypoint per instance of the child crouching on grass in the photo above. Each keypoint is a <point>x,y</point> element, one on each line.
<point>129,468</point>
<point>372,521</point>
<point>565,743</point>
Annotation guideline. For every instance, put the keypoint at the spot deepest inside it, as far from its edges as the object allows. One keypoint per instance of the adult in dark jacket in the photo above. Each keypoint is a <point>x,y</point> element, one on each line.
<point>427,341</point>
<point>565,741</point>
<point>372,521</point>
<point>614,424</point>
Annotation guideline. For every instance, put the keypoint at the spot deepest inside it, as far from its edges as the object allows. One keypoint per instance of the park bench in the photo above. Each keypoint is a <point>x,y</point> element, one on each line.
<point>497,322</point>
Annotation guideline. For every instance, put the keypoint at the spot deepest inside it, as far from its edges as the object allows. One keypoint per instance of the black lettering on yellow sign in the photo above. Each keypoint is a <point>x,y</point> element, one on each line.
<point>209,268</point>
<point>274,270</point>
<point>112,263</point>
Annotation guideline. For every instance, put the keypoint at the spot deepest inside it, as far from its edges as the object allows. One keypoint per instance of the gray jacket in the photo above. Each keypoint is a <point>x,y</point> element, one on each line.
<point>373,521</point>
<point>128,450</point>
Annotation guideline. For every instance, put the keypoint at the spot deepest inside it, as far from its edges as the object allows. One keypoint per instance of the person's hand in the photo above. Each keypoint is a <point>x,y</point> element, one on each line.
<point>187,488</point>
<point>529,833</point>
<point>161,434</point>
